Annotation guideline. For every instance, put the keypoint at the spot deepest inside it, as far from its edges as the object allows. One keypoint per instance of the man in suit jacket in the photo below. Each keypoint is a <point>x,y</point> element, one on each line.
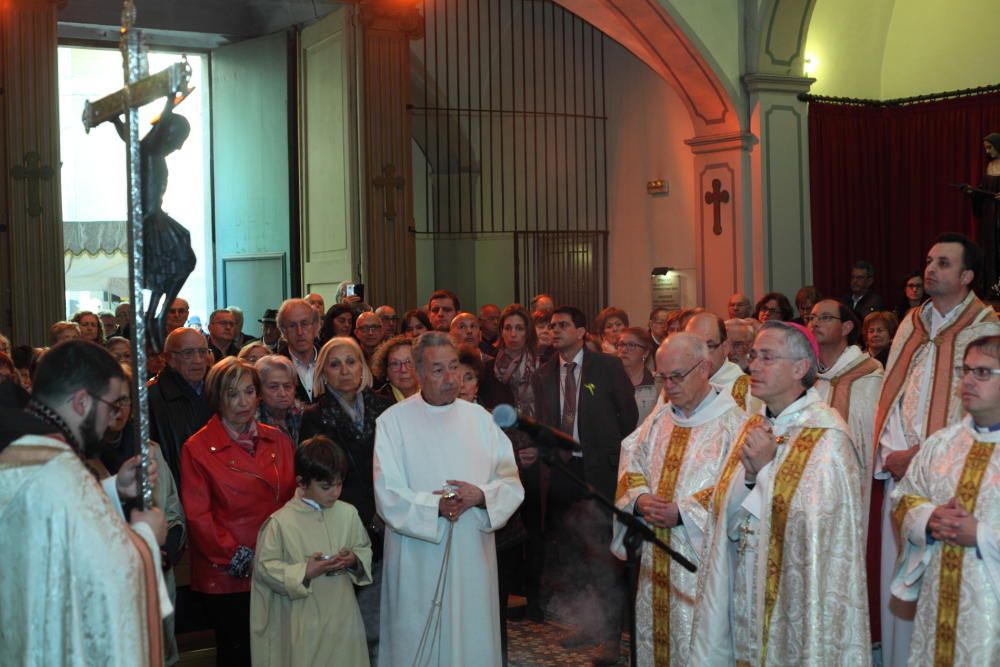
<point>587,395</point>
<point>861,299</point>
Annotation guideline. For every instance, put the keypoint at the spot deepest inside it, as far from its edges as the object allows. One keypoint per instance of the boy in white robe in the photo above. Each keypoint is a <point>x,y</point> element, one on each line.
<point>303,610</point>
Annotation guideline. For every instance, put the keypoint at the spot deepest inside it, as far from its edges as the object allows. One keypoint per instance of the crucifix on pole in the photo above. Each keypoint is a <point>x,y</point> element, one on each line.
<point>145,223</point>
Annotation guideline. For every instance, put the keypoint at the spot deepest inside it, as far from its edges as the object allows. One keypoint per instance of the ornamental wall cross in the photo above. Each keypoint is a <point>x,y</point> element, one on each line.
<point>32,171</point>
<point>387,182</point>
<point>716,198</point>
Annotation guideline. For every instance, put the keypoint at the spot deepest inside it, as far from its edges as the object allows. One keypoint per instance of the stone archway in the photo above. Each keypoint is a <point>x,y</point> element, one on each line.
<point>646,29</point>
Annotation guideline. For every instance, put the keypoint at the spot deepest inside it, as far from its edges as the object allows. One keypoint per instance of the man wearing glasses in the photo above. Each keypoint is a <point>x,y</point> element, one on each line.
<point>849,380</point>
<point>947,509</point>
<point>588,396</point>
<point>782,573</point>
<point>72,569</point>
<point>920,395</point>
<point>710,328</point>
<point>221,334</point>
<point>177,404</point>
<point>674,456</point>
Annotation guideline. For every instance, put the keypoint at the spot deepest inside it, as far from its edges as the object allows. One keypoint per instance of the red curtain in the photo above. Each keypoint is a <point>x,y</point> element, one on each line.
<point>879,184</point>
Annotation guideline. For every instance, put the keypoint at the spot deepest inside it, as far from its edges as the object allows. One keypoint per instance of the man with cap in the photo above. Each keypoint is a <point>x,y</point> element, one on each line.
<point>269,330</point>
<point>782,573</point>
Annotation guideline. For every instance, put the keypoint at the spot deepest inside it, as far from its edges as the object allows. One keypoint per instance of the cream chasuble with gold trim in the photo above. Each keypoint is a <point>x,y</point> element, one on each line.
<point>674,457</point>
<point>957,589</point>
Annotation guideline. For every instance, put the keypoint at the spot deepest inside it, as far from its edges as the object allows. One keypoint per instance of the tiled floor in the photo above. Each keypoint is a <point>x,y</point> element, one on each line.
<point>537,645</point>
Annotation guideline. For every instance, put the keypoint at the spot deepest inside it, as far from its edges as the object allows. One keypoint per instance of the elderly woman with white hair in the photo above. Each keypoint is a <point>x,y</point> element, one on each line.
<point>278,405</point>
<point>345,409</point>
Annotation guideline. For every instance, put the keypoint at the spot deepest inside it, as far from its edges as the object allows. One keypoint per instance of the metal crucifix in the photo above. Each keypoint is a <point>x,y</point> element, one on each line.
<point>139,89</point>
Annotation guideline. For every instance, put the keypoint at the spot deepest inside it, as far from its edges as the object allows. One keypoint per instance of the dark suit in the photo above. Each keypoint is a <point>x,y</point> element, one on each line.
<point>300,391</point>
<point>869,303</point>
<point>606,412</point>
<point>176,412</point>
<point>578,531</point>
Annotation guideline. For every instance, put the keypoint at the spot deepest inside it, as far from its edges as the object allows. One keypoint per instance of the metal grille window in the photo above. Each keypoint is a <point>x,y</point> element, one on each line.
<point>508,113</point>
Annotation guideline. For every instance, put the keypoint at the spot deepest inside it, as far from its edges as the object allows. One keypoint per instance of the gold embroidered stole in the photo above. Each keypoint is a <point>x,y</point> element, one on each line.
<point>729,469</point>
<point>906,503</point>
<point>740,388</point>
<point>953,555</point>
<point>840,399</point>
<point>679,438</point>
<point>785,484</point>
<point>944,342</point>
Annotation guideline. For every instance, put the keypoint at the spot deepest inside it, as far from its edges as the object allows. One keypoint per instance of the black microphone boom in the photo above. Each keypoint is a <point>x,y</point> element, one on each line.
<point>506,416</point>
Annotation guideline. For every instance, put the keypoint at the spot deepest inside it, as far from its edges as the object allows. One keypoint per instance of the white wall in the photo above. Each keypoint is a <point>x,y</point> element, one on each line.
<point>647,126</point>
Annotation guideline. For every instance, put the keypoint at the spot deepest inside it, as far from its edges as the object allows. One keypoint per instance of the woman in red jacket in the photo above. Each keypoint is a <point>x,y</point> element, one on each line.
<point>236,472</point>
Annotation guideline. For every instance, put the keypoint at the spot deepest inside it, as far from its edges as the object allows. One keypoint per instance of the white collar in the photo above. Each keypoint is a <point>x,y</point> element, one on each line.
<point>714,405</point>
<point>847,359</point>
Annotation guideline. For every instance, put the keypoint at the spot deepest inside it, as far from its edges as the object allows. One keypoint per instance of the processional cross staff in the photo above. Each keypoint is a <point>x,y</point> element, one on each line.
<point>139,90</point>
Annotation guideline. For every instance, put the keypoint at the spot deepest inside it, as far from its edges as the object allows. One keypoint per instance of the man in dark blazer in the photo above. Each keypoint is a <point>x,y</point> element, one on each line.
<point>862,300</point>
<point>587,395</point>
<point>177,404</point>
<point>299,326</point>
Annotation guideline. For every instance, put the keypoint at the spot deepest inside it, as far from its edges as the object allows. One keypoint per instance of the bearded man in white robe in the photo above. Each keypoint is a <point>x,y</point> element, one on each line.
<point>80,586</point>
<point>439,577</point>
<point>782,578</point>
<point>672,459</point>
<point>947,509</point>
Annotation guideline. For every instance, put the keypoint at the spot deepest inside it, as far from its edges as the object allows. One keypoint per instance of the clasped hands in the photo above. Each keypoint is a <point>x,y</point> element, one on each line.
<point>758,448</point>
<point>950,523</point>
<point>466,497</point>
<point>317,566</point>
<point>657,511</point>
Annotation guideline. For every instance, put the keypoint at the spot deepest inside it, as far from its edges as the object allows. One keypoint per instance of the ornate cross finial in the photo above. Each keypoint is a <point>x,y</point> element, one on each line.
<point>716,198</point>
<point>32,171</point>
<point>388,182</point>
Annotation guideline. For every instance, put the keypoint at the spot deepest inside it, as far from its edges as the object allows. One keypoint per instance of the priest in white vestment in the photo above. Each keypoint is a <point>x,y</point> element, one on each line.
<point>80,586</point>
<point>849,380</point>
<point>673,458</point>
<point>712,329</point>
<point>782,579</point>
<point>947,510</point>
<point>920,396</point>
<point>439,548</point>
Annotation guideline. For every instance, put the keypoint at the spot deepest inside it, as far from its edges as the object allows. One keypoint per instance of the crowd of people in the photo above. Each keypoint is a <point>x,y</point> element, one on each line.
<point>338,493</point>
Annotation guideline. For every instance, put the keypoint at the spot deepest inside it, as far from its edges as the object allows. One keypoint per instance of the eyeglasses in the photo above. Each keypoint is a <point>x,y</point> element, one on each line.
<point>396,364</point>
<point>981,373</point>
<point>115,407</point>
<point>675,377</point>
<point>768,358</point>
<point>189,352</point>
<point>631,347</point>
<point>370,328</point>
<point>914,285</point>
<point>824,318</point>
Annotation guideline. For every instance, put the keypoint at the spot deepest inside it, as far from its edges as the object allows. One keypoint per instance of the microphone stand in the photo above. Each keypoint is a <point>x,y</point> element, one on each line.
<point>637,530</point>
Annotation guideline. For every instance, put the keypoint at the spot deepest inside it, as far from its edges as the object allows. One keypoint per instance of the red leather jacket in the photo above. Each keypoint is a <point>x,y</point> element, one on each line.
<point>227,495</point>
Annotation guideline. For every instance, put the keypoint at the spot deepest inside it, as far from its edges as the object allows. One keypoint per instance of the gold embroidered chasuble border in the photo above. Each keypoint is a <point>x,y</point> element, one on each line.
<point>740,389</point>
<point>679,438</point>
<point>785,484</point>
<point>953,555</point>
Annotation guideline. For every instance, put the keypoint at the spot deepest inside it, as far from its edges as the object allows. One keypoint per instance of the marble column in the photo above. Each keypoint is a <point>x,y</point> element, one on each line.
<point>387,26</point>
<point>32,277</point>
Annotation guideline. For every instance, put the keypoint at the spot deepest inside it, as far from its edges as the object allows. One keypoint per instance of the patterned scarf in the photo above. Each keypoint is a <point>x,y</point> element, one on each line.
<point>516,373</point>
<point>247,440</point>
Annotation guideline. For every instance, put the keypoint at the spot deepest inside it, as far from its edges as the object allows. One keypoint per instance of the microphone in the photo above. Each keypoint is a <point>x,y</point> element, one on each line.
<point>506,416</point>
